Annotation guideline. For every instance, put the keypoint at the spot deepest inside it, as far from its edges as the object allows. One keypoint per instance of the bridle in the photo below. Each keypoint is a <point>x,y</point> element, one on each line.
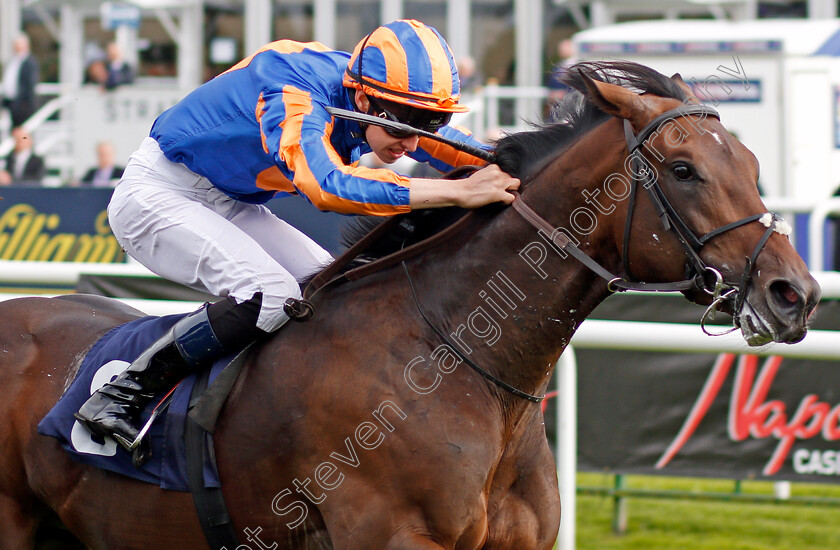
<point>699,275</point>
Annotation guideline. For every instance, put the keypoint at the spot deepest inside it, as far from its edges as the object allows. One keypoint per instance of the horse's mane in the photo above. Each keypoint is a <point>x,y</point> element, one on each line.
<point>574,115</point>
<point>516,153</point>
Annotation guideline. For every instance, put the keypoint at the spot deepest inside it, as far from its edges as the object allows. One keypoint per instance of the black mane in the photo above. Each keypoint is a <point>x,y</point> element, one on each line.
<point>517,153</point>
<point>574,114</point>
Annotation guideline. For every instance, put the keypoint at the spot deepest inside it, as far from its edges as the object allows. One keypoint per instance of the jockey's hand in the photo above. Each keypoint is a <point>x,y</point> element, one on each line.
<point>485,186</point>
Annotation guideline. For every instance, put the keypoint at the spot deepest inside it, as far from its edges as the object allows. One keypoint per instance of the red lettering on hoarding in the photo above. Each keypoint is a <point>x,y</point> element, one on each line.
<point>831,428</point>
<point>701,407</point>
<point>752,415</point>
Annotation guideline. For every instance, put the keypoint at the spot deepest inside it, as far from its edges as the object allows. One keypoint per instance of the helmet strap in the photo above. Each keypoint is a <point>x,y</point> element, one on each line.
<point>363,125</point>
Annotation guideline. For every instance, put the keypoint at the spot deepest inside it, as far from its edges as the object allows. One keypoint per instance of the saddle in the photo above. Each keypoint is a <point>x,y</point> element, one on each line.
<point>181,442</point>
<point>108,357</point>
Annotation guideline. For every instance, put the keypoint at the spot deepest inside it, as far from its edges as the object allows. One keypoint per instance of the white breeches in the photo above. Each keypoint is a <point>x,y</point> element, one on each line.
<point>177,224</point>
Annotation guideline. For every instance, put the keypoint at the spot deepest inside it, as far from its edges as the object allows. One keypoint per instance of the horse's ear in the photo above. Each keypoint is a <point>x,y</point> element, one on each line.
<point>685,87</point>
<point>616,100</point>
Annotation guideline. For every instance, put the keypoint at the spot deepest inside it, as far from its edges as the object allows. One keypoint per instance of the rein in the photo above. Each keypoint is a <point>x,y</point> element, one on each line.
<point>331,275</point>
<point>487,375</point>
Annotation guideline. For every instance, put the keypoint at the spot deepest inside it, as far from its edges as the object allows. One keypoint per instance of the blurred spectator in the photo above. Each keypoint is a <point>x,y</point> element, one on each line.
<point>23,166</point>
<point>20,75</point>
<point>110,72</point>
<point>556,89</point>
<point>106,173</point>
<point>96,73</point>
<point>119,71</point>
<point>471,78</point>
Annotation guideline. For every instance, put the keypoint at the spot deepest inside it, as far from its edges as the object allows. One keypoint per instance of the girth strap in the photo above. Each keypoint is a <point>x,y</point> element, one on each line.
<point>209,501</point>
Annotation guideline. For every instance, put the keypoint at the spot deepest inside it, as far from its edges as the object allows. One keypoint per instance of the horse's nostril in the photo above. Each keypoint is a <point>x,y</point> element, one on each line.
<point>784,294</point>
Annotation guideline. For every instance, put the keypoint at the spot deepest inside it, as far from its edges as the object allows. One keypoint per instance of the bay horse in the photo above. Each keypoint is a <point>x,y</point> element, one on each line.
<point>367,427</point>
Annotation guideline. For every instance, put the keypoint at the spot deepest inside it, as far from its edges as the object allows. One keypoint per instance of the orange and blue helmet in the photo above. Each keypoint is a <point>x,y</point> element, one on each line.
<point>409,63</point>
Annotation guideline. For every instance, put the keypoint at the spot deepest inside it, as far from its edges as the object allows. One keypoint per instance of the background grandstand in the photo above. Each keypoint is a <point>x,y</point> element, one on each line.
<point>176,45</point>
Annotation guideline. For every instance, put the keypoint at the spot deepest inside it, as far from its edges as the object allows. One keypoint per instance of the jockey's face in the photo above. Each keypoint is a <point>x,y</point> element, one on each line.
<point>389,149</point>
<point>384,146</point>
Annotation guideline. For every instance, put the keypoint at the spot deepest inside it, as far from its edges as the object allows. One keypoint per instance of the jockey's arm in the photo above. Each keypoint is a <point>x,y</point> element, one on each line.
<point>484,186</point>
<point>444,157</point>
<point>320,174</point>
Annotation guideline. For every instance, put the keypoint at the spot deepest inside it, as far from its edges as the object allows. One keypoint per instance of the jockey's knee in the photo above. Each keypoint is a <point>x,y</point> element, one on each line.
<point>234,322</point>
<point>263,312</point>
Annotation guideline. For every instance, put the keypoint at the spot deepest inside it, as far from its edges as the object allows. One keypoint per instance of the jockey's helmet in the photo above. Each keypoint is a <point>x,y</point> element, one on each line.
<point>409,64</point>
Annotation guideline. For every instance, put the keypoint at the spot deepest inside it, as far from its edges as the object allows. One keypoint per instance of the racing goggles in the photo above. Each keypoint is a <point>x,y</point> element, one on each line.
<point>421,119</point>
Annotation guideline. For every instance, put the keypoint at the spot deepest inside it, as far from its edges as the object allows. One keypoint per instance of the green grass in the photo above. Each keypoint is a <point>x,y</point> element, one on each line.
<point>669,524</point>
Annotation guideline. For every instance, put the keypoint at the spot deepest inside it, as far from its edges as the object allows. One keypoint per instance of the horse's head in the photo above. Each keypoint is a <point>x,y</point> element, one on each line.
<point>695,214</point>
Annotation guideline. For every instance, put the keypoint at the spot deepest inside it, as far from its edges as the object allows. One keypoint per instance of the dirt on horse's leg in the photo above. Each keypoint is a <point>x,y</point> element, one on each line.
<point>17,528</point>
<point>399,541</point>
<point>405,541</point>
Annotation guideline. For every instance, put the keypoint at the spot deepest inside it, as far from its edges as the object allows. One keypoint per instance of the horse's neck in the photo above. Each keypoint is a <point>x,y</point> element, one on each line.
<point>515,316</point>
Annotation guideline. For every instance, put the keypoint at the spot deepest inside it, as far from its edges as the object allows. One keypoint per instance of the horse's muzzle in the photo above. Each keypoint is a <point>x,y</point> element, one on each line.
<point>778,312</point>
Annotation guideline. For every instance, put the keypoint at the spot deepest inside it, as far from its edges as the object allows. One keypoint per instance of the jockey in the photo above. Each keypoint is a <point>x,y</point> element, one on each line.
<point>190,205</point>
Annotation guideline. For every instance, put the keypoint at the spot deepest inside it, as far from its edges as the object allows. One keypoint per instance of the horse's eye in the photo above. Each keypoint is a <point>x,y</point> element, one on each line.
<point>683,171</point>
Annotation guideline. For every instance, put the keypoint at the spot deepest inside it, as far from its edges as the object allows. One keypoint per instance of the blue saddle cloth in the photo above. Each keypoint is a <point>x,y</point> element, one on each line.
<point>108,357</point>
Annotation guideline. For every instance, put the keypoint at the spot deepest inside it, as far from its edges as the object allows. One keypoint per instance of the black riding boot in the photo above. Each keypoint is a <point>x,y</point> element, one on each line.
<point>114,410</point>
<point>194,342</point>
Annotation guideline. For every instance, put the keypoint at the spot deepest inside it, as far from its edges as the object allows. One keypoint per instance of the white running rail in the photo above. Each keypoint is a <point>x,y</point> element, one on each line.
<point>657,337</point>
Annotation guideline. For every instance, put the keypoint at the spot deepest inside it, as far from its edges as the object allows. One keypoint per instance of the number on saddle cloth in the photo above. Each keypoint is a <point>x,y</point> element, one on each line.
<point>107,358</point>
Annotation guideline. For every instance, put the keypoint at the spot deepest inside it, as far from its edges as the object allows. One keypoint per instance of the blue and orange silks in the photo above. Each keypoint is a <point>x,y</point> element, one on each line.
<point>261,128</point>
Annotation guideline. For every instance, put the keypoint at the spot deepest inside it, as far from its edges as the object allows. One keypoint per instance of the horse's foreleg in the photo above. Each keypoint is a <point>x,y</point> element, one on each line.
<point>524,509</point>
<point>17,527</point>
